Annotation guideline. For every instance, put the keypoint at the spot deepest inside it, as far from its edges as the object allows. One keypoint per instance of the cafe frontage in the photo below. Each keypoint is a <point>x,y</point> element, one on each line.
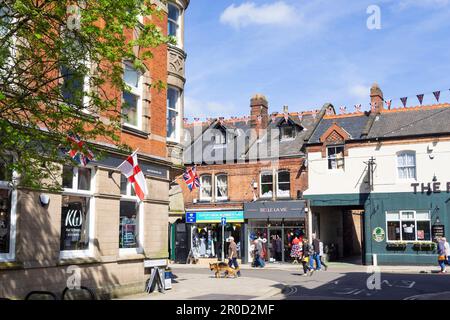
<point>277,223</point>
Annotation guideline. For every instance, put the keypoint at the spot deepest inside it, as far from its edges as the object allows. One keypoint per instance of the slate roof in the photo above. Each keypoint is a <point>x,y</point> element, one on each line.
<point>411,122</point>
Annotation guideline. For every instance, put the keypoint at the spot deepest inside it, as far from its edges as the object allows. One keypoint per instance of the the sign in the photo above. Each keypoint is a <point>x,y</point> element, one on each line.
<point>274,209</point>
<point>155,263</point>
<point>378,234</point>
<point>223,221</point>
<point>191,217</point>
<point>214,216</point>
<point>430,187</point>
<point>438,230</point>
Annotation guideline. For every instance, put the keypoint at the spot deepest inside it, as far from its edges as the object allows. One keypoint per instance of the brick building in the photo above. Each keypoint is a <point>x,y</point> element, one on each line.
<point>252,172</point>
<point>96,230</point>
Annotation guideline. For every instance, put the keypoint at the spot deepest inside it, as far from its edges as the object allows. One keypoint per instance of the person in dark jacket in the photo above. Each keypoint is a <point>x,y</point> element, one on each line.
<point>307,251</point>
<point>316,254</point>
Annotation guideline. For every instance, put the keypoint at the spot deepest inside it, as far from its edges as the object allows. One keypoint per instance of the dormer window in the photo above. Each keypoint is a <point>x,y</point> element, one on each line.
<point>220,137</point>
<point>287,132</point>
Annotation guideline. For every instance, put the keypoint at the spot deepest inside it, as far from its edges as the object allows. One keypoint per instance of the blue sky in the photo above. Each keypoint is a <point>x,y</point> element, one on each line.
<point>304,53</point>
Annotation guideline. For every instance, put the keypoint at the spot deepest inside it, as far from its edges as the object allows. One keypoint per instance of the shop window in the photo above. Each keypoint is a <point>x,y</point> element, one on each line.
<point>266,185</point>
<point>205,187</point>
<point>174,23</point>
<point>76,212</point>
<point>335,157</point>
<point>129,217</point>
<point>406,165</point>
<point>284,184</point>
<point>408,226</point>
<point>221,187</point>
<point>173,107</point>
<point>132,98</point>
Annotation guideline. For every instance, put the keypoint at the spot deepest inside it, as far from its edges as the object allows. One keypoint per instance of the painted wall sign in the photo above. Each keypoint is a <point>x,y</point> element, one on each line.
<point>438,230</point>
<point>214,216</point>
<point>274,209</point>
<point>430,187</point>
<point>378,234</point>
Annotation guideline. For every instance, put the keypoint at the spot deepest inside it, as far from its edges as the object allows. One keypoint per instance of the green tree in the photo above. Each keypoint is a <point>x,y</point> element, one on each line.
<point>50,52</point>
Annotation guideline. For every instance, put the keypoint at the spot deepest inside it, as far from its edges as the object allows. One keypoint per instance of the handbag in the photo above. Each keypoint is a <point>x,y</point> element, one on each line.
<point>442,258</point>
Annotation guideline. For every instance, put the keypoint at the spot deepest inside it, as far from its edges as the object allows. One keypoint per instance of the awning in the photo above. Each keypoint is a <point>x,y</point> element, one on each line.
<point>275,209</point>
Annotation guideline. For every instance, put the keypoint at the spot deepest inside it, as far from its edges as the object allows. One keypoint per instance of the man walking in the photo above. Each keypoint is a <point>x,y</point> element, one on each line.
<point>316,254</point>
<point>232,255</point>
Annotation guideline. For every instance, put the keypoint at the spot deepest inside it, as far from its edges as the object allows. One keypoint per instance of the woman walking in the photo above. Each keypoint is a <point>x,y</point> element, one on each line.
<point>442,255</point>
<point>306,255</point>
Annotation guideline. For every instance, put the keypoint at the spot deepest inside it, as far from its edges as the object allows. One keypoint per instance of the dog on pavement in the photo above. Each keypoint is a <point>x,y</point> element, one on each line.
<point>219,267</point>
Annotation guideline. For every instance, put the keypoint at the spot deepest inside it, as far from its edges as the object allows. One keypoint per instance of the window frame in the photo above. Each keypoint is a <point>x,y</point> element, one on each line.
<point>202,198</point>
<point>129,197</point>
<point>400,220</point>
<point>282,130</point>
<point>398,167</point>
<point>136,91</point>
<point>89,252</point>
<point>177,23</point>
<point>216,185</point>
<point>175,136</point>
<point>335,158</point>
<point>278,184</point>
<point>7,185</point>
<point>261,184</point>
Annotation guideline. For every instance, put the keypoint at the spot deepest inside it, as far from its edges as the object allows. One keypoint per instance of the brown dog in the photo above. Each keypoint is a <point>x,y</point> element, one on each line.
<point>219,267</point>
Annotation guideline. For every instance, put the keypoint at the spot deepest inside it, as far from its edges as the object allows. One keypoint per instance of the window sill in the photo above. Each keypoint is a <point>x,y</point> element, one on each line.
<point>80,260</point>
<point>10,265</point>
<point>134,131</point>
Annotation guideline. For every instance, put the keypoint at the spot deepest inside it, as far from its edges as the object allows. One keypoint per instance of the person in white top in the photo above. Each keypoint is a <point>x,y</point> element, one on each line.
<point>447,249</point>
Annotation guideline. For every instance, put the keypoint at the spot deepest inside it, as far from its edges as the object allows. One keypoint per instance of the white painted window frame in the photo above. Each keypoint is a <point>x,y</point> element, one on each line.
<point>89,252</point>
<point>415,226</point>
<point>225,198</point>
<point>397,155</point>
<point>203,198</point>
<point>274,189</point>
<point>140,220</point>
<point>278,184</point>
<point>139,92</point>
<point>335,159</point>
<point>177,136</point>
<point>178,23</point>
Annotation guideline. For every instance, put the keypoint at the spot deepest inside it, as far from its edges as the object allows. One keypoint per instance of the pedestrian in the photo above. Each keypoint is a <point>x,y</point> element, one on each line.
<point>321,255</point>
<point>232,255</point>
<point>260,252</point>
<point>306,252</point>
<point>447,250</point>
<point>442,257</point>
<point>316,254</point>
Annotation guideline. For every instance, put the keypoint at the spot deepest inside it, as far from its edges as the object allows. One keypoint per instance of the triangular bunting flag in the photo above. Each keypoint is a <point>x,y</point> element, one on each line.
<point>420,98</point>
<point>437,94</point>
<point>404,99</point>
<point>358,107</point>
<point>388,103</point>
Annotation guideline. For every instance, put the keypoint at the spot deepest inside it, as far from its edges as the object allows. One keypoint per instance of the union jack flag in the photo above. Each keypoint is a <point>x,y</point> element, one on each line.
<point>191,178</point>
<point>77,153</point>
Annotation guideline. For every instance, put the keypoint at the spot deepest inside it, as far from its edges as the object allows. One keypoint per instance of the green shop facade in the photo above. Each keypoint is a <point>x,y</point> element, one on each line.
<point>389,228</point>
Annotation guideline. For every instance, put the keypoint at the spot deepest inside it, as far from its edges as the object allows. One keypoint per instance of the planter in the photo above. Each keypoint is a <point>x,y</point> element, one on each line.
<point>396,246</point>
<point>428,246</point>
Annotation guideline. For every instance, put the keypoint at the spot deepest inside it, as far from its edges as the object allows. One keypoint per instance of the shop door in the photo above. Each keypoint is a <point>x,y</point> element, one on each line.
<point>353,225</point>
<point>276,245</point>
<point>181,243</point>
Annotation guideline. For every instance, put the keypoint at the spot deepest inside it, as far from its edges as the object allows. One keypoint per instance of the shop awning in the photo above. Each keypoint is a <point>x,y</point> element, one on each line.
<point>275,209</point>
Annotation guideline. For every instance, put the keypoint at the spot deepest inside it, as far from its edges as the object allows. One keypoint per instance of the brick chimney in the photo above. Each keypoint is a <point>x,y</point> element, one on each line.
<point>259,112</point>
<point>376,98</point>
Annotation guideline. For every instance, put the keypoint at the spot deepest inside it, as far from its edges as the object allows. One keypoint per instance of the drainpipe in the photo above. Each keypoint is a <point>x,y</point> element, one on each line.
<point>309,221</point>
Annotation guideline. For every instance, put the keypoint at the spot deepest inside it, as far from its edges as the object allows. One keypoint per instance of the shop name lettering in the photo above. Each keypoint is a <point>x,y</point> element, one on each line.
<point>74,218</point>
<point>434,187</point>
<point>273,210</point>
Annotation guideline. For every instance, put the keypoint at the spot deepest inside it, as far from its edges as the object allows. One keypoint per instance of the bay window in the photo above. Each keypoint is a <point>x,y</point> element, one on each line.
<point>173,98</point>
<point>132,98</point>
<point>76,212</point>
<point>205,187</point>
<point>221,187</point>
<point>408,225</point>
<point>284,184</point>
<point>174,18</point>
<point>266,185</point>
<point>335,157</point>
<point>406,165</point>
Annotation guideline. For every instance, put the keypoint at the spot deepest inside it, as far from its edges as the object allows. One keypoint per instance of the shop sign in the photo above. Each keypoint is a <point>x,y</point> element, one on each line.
<point>438,230</point>
<point>378,234</point>
<point>275,209</point>
<point>214,216</point>
<point>435,187</point>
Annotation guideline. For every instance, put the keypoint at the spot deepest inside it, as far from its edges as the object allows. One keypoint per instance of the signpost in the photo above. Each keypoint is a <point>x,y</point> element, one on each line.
<point>223,222</point>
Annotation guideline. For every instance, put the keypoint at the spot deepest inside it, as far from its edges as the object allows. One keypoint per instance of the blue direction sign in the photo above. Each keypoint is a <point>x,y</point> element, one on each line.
<point>191,217</point>
<point>223,221</point>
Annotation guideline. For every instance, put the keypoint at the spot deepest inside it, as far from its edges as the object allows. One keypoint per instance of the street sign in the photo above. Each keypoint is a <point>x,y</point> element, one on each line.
<point>223,221</point>
<point>191,217</point>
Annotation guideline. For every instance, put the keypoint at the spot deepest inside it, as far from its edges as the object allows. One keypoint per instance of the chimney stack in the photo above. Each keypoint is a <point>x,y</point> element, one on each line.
<point>259,112</point>
<point>376,98</point>
<point>285,109</point>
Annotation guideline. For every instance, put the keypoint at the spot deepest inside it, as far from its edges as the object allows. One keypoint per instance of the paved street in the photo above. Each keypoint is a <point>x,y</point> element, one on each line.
<point>341,281</point>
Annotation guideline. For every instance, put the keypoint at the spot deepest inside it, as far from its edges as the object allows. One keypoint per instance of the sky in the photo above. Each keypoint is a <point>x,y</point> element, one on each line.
<point>304,53</point>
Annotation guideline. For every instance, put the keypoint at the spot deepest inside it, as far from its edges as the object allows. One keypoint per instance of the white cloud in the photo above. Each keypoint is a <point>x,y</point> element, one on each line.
<point>359,91</point>
<point>248,13</point>
<point>403,4</point>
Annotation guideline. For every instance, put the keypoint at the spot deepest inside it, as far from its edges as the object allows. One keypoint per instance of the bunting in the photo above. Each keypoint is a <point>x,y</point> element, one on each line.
<point>389,103</point>
<point>404,99</point>
<point>437,94</point>
<point>420,98</point>
<point>274,118</point>
<point>343,109</point>
<point>358,107</point>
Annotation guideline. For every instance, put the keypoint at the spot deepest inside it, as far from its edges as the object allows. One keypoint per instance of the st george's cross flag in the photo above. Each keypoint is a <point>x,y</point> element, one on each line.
<point>131,170</point>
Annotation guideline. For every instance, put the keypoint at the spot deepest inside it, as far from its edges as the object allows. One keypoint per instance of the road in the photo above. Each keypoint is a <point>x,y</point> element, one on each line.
<point>341,284</point>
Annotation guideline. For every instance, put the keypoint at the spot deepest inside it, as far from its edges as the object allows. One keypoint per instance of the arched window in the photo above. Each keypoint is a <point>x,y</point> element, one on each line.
<point>221,187</point>
<point>406,165</point>
<point>205,187</point>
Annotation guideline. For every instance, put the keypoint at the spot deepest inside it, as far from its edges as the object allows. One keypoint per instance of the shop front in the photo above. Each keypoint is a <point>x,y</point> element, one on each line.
<point>206,232</point>
<point>276,224</point>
